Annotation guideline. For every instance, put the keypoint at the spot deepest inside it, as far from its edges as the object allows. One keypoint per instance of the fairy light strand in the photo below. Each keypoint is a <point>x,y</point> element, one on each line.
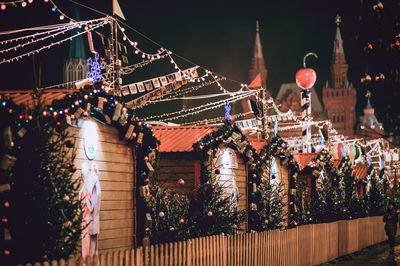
<point>213,106</point>
<point>36,40</point>
<point>195,109</point>
<point>16,58</point>
<point>214,120</point>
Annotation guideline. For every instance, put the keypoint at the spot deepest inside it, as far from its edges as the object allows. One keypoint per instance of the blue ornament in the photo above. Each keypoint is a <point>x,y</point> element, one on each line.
<point>95,68</point>
<point>227,111</point>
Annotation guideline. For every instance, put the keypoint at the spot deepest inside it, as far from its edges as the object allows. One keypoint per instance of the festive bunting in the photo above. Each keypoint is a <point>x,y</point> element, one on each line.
<point>160,81</point>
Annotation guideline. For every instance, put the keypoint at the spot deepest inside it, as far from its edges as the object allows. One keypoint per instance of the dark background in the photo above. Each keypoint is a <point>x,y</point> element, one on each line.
<point>220,36</point>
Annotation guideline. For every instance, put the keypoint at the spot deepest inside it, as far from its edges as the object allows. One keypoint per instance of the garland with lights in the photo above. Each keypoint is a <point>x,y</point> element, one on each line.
<point>90,26</point>
<point>278,148</point>
<point>258,165</point>
<point>40,222</point>
<point>99,103</point>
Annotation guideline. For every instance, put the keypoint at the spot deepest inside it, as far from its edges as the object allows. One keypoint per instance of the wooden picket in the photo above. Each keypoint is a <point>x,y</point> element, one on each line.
<point>303,245</point>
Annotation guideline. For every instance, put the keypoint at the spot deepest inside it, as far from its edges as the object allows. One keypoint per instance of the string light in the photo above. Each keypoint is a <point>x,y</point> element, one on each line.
<point>198,109</point>
<point>129,69</point>
<point>48,28</point>
<point>37,40</point>
<point>16,58</point>
<point>134,44</point>
<point>62,14</point>
<point>214,120</point>
<point>177,93</point>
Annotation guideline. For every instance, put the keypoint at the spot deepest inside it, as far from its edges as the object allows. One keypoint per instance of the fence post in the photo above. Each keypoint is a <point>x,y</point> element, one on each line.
<point>146,248</point>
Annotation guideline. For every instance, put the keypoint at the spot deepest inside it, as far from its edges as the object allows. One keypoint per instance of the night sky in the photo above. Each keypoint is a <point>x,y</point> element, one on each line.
<point>217,35</point>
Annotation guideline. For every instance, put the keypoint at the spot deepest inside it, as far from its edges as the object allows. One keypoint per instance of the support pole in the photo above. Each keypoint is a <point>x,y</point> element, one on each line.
<point>306,116</point>
<point>263,114</point>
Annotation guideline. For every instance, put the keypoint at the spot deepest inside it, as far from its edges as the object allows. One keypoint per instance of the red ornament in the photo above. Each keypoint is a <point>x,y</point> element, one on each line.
<point>181,221</point>
<point>134,135</point>
<point>146,158</point>
<point>73,168</point>
<point>306,77</point>
<point>181,181</point>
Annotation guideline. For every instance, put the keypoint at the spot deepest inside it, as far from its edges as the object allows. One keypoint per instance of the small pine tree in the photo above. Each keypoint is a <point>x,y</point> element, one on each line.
<point>169,214</point>
<point>336,200</point>
<point>357,206</point>
<point>319,204</point>
<point>46,218</point>
<point>302,214</point>
<point>271,206</point>
<point>210,211</point>
<point>375,197</point>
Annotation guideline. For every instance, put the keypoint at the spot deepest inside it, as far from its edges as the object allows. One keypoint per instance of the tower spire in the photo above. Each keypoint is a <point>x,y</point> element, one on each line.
<point>339,66</point>
<point>257,62</point>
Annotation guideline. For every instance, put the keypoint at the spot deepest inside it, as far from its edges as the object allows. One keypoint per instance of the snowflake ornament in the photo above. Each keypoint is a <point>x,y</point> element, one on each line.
<point>95,68</point>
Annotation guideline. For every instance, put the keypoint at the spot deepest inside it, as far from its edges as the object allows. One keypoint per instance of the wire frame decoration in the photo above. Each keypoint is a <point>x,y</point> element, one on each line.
<point>96,68</point>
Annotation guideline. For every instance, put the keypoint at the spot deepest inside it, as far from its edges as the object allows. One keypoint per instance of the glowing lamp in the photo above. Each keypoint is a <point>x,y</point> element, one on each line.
<point>306,77</point>
<point>23,4</point>
<point>3,7</point>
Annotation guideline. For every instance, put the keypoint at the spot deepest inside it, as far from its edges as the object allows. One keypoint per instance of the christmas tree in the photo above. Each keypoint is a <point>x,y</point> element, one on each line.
<point>320,207</point>
<point>210,211</point>
<point>271,206</point>
<point>169,217</point>
<point>46,216</point>
<point>375,197</point>
<point>302,214</point>
<point>7,162</point>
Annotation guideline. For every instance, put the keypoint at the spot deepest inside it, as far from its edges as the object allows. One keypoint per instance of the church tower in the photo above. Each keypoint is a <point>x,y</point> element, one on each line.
<point>75,66</point>
<point>257,62</point>
<point>340,97</point>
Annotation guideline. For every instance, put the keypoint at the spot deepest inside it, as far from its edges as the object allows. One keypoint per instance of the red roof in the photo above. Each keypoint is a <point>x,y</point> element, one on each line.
<point>304,158</point>
<point>25,96</point>
<point>181,138</point>
<point>258,144</point>
<point>360,171</point>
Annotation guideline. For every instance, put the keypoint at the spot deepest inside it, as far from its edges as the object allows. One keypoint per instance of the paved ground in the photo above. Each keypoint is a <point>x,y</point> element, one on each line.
<point>375,255</point>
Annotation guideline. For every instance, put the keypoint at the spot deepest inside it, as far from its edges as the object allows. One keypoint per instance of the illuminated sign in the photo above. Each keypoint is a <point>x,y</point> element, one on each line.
<point>91,139</point>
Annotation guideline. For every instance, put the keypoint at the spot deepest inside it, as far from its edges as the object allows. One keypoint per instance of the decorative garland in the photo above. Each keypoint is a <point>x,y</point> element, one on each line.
<point>258,163</point>
<point>96,102</point>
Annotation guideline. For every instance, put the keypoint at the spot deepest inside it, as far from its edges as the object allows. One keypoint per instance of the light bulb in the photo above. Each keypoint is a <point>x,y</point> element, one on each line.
<point>23,4</point>
<point>3,7</point>
<point>30,1</point>
<point>61,17</point>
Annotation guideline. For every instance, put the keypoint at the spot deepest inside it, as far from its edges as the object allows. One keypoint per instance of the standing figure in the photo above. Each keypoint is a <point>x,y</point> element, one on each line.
<point>390,218</point>
<point>84,194</point>
<point>91,195</point>
<point>94,207</point>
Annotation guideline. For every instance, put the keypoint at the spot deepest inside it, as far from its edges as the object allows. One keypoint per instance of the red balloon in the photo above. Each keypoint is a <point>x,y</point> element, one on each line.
<point>305,78</point>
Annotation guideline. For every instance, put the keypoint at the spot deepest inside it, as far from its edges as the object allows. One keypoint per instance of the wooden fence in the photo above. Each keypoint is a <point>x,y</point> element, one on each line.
<point>304,245</point>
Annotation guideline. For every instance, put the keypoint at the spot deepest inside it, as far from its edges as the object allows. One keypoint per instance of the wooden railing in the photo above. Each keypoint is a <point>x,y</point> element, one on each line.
<point>304,245</point>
